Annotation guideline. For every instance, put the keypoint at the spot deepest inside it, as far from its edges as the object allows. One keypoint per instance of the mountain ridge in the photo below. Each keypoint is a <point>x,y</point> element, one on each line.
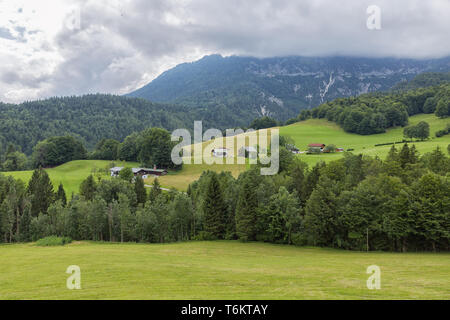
<point>279,86</point>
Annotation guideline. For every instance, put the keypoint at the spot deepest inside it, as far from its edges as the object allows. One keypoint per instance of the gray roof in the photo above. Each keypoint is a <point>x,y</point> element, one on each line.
<point>136,170</point>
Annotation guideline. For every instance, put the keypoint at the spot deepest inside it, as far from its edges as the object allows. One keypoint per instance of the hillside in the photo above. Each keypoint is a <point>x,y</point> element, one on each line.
<point>280,87</point>
<point>320,131</point>
<point>323,131</point>
<point>427,79</point>
<point>303,133</point>
<point>72,174</point>
<point>89,118</point>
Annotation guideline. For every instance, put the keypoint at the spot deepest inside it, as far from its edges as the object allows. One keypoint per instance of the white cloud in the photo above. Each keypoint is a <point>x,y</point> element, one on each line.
<point>121,45</point>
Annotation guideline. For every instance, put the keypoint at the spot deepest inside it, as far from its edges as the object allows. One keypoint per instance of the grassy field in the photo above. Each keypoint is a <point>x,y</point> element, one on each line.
<point>323,131</point>
<point>71,174</point>
<point>180,180</point>
<point>217,270</point>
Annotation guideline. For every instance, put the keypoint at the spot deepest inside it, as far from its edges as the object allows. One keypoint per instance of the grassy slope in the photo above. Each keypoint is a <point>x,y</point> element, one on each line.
<point>180,180</point>
<point>217,270</point>
<point>310,131</point>
<point>323,131</point>
<point>71,174</point>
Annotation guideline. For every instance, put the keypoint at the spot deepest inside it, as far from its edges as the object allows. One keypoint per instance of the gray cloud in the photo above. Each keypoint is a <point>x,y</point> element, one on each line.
<point>121,46</point>
<point>6,34</point>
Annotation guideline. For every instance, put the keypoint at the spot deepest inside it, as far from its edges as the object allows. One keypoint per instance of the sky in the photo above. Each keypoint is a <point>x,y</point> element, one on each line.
<point>72,47</point>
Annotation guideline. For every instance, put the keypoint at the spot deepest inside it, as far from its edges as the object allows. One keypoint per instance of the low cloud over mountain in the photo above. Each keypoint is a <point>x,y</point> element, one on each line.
<point>74,47</point>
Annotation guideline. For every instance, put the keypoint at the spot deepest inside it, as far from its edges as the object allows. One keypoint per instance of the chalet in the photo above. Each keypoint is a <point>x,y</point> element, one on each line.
<point>316,145</point>
<point>220,153</point>
<point>149,172</point>
<point>143,172</point>
<point>115,171</point>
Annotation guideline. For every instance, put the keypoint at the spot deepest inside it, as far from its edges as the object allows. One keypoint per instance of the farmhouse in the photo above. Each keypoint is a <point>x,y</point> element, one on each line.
<point>140,171</point>
<point>316,145</point>
<point>115,171</point>
<point>220,153</point>
<point>248,152</point>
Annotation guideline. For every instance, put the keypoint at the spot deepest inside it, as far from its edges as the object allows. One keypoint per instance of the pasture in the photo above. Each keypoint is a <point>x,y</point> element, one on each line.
<point>303,133</point>
<point>217,270</point>
<point>71,174</point>
<point>323,131</point>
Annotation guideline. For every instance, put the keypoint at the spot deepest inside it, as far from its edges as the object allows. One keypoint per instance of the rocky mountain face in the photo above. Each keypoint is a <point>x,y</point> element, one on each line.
<point>279,87</point>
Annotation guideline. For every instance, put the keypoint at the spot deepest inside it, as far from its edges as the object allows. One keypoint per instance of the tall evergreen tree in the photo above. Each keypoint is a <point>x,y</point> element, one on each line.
<point>214,209</point>
<point>125,217</point>
<point>321,213</point>
<point>61,195</point>
<point>404,156</point>
<point>141,192</point>
<point>297,172</point>
<point>41,190</point>
<point>88,188</point>
<point>246,211</point>
<point>312,178</point>
<point>8,211</point>
<point>23,234</point>
<point>155,191</point>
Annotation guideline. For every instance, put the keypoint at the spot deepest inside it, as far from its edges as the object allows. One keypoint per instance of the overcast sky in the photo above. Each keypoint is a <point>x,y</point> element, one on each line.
<point>69,47</point>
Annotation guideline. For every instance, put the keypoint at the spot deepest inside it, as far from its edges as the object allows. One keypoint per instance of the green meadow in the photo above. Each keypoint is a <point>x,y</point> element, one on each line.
<point>217,270</point>
<point>180,180</point>
<point>71,174</point>
<point>326,132</point>
<point>303,133</point>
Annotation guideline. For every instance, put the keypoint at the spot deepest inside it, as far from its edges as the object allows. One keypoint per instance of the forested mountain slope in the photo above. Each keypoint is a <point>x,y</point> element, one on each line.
<point>279,87</point>
<point>89,118</point>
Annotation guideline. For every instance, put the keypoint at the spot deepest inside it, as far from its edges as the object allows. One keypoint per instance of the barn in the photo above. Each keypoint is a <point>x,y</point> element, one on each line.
<point>316,145</point>
<point>140,171</point>
<point>149,172</point>
<point>220,153</point>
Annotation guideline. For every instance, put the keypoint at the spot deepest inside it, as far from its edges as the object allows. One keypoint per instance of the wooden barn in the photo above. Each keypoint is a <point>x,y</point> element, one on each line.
<point>140,171</point>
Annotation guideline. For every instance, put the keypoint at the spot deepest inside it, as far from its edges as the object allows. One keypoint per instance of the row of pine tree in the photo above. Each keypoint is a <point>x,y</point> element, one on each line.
<point>401,203</point>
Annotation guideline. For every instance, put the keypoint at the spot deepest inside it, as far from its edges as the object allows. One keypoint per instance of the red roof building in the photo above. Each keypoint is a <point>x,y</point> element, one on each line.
<point>316,145</point>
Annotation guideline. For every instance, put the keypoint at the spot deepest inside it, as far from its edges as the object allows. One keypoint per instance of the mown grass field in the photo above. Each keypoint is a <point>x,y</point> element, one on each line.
<point>217,270</point>
<point>181,180</point>
<point>71,174</point>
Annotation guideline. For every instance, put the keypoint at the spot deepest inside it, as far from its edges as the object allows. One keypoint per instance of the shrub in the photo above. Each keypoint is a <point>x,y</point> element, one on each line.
<point>204,236</point>
<point>331,148</point>
<point>53,241</point>
<point>443,132</point>
<point>313,150</point>
<point>299,239</point>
